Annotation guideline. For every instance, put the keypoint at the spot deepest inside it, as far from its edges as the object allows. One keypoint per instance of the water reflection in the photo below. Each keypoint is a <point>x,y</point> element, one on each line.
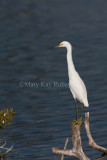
<point>101,157</point>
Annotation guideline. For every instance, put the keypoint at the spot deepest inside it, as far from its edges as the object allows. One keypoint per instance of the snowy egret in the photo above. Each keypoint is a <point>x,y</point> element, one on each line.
<point>76,84</point>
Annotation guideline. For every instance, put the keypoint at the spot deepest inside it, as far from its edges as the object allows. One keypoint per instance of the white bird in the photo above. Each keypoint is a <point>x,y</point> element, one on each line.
<point>76,84</point>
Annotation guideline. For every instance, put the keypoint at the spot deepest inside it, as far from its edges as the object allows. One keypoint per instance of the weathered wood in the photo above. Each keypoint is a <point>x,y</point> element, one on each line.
<point>67,152</point>
<point>91,140</point>
<point>66,142</point>
<point>77,150</point>
<point>100,158</point>
<point>6,150</point>
<point>76,138</point>
<point>76,141</point>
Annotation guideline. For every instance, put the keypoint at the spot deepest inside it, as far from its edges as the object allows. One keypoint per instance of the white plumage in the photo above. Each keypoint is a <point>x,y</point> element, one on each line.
<point>76,84</point>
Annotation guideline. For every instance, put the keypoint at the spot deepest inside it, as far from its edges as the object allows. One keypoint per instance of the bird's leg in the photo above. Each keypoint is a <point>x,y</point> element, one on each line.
<point>81,111</point>
<point>76,108</point>
<point>79,121</point>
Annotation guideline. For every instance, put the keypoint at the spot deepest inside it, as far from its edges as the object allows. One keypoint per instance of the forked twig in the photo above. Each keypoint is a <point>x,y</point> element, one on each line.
<point>76,151</point>
<point>5,148</point>
<point>66,142</point>
<point>91,140</point>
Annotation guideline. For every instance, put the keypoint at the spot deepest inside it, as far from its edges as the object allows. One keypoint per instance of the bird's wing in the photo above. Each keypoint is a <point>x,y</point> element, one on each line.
<point>77,87</point>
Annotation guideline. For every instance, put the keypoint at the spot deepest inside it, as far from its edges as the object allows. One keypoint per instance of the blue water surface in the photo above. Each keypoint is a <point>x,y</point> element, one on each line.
<point>28,29</point>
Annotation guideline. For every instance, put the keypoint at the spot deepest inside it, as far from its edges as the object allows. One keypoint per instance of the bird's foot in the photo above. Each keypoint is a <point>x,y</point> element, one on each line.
<point>75,122</point>
<point>78,121</point>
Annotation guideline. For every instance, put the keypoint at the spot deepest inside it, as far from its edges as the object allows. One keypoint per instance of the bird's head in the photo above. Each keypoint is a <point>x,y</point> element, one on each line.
<point>64,44</point>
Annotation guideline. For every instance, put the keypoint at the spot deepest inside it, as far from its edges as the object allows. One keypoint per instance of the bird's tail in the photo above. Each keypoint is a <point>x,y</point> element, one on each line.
<point>86,104</point>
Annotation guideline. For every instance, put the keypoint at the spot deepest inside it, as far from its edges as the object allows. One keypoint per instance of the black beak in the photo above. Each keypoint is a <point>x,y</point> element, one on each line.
<point>56,46</point>
<point>53,47</point>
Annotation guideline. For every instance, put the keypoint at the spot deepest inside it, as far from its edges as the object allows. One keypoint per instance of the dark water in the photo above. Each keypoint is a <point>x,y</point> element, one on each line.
<point>44,114</point>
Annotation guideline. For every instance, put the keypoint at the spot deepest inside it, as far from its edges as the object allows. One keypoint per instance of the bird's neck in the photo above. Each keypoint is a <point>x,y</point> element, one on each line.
<point>71,68</point>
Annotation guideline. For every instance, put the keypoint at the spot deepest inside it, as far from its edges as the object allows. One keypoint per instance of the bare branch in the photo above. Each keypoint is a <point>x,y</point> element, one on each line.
<point>7,149</point>
<point>63,152</point>
<point>91,141</point>
<point>68,152</point>
<point>3,144</point>
<point>100,158</point>
<point>77,150</point>
<point>76,141</point>
<point>66,142</point>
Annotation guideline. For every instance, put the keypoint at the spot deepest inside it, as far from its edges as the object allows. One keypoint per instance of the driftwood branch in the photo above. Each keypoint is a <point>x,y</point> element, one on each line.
<point>63,152</point>
<point>100,158</point>
<point>62,157</point>
<point>77,150</point>
<point>6,150</point>
<point>91,141</point>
